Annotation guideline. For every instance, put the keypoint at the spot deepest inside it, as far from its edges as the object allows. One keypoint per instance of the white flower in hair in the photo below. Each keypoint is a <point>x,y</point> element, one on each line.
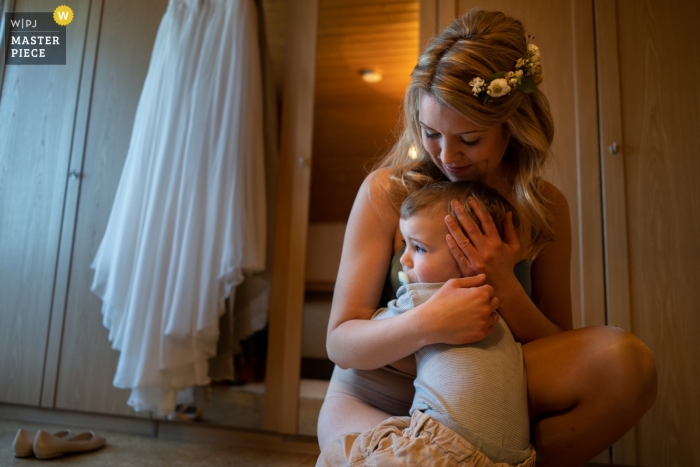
<point>502,83</point>
<point>498,87</point>
<point>477,85</point>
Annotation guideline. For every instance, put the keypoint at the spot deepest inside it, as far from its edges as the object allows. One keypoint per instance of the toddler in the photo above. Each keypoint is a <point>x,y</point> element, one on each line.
<point>470,406</point>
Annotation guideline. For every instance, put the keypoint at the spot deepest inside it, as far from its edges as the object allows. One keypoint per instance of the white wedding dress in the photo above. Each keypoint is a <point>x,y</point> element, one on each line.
<point>189,214</point>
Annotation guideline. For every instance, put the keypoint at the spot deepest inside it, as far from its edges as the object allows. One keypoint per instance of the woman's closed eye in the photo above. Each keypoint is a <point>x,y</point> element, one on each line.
<point>471,143</point>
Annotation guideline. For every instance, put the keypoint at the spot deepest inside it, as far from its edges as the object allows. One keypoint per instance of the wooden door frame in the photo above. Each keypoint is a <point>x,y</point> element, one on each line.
<point>612,168</point>
<point>65,250</point>
<point>287,301</point>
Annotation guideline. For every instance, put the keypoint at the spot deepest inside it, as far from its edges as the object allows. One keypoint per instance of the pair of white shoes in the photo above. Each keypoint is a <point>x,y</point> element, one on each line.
<point>46,446</point>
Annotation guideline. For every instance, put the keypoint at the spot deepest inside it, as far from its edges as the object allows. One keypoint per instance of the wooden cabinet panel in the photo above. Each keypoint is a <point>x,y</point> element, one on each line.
<point>660,147</point>
<point>88,363</point>
<point>37,111</point>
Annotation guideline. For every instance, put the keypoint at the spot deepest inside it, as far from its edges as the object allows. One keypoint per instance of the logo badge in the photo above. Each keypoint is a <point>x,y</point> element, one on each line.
<point>63,15</point>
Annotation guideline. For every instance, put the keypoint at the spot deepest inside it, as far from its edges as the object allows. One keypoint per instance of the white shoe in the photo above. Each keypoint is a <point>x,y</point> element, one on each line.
<point>47,446</point>
<point>23,445</point>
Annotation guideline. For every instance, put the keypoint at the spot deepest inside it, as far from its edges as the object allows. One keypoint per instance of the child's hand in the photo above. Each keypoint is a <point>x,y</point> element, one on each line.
<point>483,253</point>
<point>461,312</point>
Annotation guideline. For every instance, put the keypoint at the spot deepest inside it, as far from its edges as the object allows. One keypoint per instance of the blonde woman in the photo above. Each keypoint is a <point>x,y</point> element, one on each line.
<point>473,111</point>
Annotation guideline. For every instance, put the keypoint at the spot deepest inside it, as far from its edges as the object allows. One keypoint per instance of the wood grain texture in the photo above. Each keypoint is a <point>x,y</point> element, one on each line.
<point>286,308</point>
<point>587,206</point>
<point>37,112</point>
<point>613,187</point>
<point>274,14</point>
<point>65,247</point>
<point>88,363</point>
<point>661,126</point>
<point>428,13</point>
<point>5,7</point>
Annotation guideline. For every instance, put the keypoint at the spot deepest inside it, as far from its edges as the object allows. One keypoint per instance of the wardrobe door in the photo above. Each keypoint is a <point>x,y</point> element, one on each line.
<point>87,362</point>
<point>658,140</point>
<point>37,117</point>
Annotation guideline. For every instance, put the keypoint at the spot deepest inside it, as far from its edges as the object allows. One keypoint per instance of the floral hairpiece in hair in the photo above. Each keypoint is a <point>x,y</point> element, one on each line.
<point>500,84</point>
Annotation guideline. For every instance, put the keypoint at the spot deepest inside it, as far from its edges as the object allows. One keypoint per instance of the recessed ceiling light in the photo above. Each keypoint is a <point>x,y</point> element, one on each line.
<point>370,75</point>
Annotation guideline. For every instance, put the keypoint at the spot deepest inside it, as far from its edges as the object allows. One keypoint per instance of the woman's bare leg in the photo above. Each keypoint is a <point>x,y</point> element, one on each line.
<point>586,389</point>
<point>340,415</point>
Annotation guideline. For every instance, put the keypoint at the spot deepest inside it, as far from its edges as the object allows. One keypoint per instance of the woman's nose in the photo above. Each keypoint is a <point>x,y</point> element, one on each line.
<point>450,152</point>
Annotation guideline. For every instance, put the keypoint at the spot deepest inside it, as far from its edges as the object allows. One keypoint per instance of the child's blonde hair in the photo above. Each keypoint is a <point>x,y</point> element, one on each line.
<point>436,199</point>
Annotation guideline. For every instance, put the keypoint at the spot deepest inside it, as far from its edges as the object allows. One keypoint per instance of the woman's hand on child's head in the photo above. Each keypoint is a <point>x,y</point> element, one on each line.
<point>480,252</point>
<point>462,311</point>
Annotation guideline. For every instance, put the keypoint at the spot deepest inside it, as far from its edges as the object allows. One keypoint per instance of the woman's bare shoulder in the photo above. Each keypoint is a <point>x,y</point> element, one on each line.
<point>554,196</point>
<point>376,189</point>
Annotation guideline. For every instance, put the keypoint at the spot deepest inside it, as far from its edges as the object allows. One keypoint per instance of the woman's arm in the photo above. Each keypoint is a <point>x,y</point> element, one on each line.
<point>549,310</point>
<point>458,313</point>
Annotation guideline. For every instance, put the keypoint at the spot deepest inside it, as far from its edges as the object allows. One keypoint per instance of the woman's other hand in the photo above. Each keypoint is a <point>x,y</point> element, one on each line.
<point>462,311</point>
<point>484,252</point>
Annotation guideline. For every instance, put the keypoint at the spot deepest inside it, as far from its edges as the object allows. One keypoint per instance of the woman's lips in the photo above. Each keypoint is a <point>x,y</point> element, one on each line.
<point>457,170</point>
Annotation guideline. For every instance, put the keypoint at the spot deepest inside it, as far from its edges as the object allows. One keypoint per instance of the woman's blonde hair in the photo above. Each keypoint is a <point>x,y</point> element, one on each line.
<point>479,44</point>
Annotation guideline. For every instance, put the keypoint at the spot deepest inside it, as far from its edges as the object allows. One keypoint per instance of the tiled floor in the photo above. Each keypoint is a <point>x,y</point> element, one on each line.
<point>128,450</point>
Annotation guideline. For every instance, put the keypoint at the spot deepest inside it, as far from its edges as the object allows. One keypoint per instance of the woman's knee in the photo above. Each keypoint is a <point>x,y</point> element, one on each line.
<point>340,415</point>
<point>579,366</point>
<point>628,366</point>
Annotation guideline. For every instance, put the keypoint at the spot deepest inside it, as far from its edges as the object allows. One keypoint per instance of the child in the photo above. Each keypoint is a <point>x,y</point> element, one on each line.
<point>470,406</point>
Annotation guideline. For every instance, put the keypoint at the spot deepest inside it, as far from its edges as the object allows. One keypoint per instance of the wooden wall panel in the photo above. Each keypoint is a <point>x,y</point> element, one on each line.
<point>355,121</point>
<point>58,308</point>
<point>612,170</point>
<point>348,141</point>
<point>274,13</point>
<point>287,301</point>
<point>37,114</point>
<point>88,363</point>
<point>661,128</point>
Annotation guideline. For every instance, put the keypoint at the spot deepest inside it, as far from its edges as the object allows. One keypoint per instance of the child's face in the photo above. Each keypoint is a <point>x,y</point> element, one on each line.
<point>427,257</point>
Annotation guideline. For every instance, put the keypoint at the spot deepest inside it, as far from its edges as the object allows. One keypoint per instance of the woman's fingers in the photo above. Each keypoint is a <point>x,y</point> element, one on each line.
<point>466,307</point>
<point>473,281</point>
<point>458,234</point>
<point>495,303</point>
<point>459,256</point>
<point>510,235</point>
<point>473,232</point>
<point>487,224</point>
